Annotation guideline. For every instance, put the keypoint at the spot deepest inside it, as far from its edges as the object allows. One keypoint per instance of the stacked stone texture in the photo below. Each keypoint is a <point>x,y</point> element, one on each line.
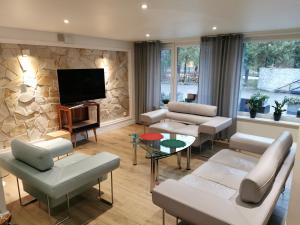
<point>30,112</point>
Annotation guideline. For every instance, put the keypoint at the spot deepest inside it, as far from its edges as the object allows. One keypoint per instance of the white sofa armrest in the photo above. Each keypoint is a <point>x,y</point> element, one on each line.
<point>215,125</point>
<point>250,143</point>
<point>153,116</point>
<point>196,206</point>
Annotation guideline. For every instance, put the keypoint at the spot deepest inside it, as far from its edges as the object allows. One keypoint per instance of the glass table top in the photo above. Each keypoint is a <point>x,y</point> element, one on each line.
<point>154,149</point>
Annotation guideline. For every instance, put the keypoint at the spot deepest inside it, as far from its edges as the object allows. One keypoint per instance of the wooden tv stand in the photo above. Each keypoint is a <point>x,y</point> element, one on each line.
<point>77,118</point>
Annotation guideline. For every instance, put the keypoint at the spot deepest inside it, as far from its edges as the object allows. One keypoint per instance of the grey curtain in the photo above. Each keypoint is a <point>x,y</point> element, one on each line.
<point>220,69</point>
<point>147,76</point>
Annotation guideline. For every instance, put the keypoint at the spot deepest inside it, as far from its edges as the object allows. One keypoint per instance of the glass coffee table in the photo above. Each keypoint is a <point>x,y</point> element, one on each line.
<point>157,149</point>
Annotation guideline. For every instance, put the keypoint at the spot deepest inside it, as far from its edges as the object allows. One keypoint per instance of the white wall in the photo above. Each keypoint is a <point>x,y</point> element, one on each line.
<point>21,36</point>
<point>266,128</point>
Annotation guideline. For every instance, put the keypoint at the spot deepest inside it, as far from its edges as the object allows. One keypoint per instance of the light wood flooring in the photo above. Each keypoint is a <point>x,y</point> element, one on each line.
<point>133,204</point>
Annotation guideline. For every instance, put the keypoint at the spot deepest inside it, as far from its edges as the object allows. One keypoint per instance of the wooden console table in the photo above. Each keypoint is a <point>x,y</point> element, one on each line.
<point>76,119</point>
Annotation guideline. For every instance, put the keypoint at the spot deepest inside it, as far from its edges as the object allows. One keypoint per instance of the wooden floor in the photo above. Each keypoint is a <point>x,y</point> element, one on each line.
<point>132,206</point>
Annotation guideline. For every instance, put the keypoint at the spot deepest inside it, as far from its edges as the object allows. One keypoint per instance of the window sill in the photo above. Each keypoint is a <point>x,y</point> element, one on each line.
<point>281,123</point>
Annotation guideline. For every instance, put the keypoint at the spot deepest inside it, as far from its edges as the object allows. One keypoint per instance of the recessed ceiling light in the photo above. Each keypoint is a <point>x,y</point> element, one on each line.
<point>144,6</point>
<point>214,28</point>
<point>147,35</point>
<point>66,21</point>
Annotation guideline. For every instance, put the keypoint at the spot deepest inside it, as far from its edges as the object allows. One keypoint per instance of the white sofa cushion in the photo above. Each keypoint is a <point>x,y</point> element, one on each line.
<point>221,174</point>
<point>175,127</point>
<point>258,182</point>
<point>215,125</point>
<point>208,186</point>
<point>193,108</point>
<point>34,156</point>
<point>235,159</point>
<point>250,143</point>
<point>188,118</point>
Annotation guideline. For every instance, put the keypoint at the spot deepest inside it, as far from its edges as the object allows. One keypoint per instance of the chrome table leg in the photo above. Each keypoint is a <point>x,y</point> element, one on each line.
<point>156,170</point>
<point>134,153</point>
<point>179,160</point>
<point>212,142</point>
<point>188,158</point>
<point>152,173</point>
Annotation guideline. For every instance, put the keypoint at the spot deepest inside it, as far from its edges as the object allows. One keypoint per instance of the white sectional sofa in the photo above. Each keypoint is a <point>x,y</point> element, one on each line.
<point>232,187</point>
<point>198,120</point>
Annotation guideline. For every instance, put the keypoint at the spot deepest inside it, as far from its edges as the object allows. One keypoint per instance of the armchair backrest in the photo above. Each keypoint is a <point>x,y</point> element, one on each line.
<point>34,156</point>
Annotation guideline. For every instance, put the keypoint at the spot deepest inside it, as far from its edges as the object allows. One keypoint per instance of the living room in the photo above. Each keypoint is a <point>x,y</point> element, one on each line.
<point>149,112</point>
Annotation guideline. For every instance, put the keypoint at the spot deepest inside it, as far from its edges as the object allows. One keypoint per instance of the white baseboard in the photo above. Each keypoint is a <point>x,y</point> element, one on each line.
<point>114,124</point>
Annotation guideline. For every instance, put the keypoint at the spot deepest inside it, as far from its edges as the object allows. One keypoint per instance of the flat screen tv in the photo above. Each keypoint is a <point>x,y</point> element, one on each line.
<point>78,85</point>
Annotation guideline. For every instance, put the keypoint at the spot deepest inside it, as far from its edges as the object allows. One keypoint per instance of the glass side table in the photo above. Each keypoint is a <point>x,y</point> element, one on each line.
<point>156,151</point>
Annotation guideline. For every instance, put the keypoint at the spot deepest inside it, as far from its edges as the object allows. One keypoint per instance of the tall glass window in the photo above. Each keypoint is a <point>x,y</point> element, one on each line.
<point>187,74</point>
<point>271,68</point>
<point>165,74</point>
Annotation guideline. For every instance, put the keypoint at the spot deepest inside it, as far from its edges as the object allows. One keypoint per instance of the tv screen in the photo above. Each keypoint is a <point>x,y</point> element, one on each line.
<point>77,85</point>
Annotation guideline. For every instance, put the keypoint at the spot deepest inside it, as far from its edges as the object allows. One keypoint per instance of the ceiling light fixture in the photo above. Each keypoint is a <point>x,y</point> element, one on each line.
<point>147,35</point>
<point>144,6</point>
<point>214,28</point>
<point>66,21</point>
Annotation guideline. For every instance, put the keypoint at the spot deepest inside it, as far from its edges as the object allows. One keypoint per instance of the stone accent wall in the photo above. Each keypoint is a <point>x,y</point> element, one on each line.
<point>29,112</point>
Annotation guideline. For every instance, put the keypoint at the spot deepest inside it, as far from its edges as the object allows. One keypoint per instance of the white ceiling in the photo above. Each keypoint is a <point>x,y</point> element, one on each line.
<point>164,19</point>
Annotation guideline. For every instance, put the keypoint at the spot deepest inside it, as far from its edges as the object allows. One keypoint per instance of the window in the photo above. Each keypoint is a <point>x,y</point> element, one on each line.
<point>165,74</point>
<point>187,74</point>
<point>179,75</point>
<point>271,68</point>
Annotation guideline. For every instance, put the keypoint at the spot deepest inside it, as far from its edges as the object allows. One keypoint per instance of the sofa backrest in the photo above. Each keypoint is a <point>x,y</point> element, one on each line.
<point>260,179</point>
<point>193,108</point>
<point>34,156</point>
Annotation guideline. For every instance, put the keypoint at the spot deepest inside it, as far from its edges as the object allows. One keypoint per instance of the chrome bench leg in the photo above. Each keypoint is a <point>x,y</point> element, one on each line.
<point>111,189</point>
<point>49,210</point>
<point>20,198</point>
<point>212,142</point>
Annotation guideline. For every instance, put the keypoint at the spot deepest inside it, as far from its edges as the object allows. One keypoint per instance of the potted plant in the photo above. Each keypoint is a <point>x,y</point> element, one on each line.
<point>255,103</point>
<point>279,109</point>
<point>165,101</point>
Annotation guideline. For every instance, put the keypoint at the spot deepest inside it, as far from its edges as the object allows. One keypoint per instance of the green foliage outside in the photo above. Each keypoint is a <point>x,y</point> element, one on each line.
<point>279,54</point>
<point>165,61</point>
<point>185,55</point>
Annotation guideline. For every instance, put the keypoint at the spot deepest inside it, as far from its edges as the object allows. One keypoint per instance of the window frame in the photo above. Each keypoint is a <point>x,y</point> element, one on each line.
<point>269,116</point>
<point>174,48</point>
